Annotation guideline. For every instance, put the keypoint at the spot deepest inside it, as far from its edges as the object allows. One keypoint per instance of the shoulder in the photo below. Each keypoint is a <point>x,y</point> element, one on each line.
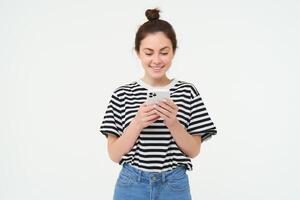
<point>121,89</point>
<point>188,86</point>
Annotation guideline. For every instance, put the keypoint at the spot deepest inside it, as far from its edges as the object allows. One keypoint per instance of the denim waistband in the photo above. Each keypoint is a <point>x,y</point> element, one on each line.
<point>128,168</point>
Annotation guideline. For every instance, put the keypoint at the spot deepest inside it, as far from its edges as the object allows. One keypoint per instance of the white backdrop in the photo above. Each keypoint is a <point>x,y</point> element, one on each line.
<point>61,60</point>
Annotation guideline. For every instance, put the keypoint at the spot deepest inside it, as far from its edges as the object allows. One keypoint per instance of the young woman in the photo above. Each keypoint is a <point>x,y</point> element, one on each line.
<point>154,143</point>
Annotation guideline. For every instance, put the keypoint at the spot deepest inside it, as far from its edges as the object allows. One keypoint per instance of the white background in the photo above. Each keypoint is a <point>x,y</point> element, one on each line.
<point>61,60</point>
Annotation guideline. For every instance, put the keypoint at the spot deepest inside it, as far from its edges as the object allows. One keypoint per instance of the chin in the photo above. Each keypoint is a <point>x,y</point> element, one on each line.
<point>157,76</point>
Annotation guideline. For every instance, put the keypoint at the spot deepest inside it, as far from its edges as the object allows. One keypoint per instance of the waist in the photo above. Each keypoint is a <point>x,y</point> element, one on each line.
<point>134,171</point>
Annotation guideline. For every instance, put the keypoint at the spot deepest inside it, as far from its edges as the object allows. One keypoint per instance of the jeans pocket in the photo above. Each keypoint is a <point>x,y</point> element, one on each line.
<point>178,183</point>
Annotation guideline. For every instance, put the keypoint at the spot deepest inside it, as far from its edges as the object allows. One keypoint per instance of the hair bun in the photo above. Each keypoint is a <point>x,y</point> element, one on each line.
<point>152,14</point>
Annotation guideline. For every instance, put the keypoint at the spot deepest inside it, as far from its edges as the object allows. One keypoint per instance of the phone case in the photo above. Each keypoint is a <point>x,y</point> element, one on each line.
<point>154,96</point>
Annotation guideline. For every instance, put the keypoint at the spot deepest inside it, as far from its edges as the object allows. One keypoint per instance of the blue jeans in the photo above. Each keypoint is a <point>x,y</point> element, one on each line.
<point>136,184</point>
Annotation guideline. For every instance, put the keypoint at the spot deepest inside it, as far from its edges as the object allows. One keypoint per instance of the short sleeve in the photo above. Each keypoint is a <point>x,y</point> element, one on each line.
<point>112,120</point>
<point>200,122</point>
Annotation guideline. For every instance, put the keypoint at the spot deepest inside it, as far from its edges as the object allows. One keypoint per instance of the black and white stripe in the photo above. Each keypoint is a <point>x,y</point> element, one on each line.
<point>155,150</point>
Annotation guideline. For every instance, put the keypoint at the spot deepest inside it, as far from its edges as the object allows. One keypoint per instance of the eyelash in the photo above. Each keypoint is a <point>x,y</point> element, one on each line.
<point>161,53</point>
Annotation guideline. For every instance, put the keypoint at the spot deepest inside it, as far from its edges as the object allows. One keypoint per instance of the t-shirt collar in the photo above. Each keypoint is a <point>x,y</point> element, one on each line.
<point>148,86</point>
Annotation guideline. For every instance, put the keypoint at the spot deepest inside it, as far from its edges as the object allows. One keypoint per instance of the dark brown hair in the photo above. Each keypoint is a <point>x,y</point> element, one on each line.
<point>154,24</point>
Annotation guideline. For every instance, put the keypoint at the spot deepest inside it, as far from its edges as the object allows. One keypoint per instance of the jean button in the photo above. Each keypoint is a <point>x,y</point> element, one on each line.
<point>154,178</point>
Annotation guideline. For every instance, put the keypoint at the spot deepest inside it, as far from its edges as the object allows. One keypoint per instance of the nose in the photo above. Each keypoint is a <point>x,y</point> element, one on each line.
<point>156,59</point>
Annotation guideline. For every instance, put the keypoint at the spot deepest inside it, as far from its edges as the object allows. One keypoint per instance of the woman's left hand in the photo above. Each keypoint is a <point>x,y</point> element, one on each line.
<point>167,110</point>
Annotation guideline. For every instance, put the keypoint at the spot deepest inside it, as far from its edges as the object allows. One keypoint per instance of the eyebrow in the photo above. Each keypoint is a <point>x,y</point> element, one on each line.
<point>152,49</point>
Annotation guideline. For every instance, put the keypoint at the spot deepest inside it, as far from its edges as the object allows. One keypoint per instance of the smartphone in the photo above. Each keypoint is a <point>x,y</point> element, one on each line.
<point>156,95</point>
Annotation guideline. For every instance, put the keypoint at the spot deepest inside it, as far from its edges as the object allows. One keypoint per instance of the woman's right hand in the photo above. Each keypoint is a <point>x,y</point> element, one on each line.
<point>145,116</point>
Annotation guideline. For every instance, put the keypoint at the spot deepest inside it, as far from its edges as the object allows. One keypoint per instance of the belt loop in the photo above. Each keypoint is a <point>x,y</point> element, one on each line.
<point>139,175</point>
<point>163,177</point>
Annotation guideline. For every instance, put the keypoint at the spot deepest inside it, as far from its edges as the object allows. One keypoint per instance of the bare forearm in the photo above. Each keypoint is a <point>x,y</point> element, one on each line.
<point>125,142</point>
<point>185,141</point>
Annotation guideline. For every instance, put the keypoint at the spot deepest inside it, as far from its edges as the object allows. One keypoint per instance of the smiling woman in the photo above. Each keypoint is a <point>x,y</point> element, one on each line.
<point>156,54</point>
<point>154,143</point>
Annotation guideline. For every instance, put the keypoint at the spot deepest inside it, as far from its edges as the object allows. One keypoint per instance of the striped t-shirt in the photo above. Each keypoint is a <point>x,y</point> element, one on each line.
<point>155,149</point>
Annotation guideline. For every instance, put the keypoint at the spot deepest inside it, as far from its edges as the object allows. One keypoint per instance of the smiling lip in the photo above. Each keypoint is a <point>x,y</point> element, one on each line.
<point>156,68</point>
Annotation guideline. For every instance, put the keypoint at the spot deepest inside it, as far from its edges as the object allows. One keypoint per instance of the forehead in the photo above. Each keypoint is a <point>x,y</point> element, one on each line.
<point>156,41</point>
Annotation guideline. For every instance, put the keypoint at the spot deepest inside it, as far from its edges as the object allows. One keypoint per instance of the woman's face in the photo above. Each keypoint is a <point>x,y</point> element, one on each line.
<point>156,54</point>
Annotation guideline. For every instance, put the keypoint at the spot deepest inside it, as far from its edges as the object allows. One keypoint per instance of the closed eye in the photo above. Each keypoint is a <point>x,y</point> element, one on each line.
<point>161,53</point>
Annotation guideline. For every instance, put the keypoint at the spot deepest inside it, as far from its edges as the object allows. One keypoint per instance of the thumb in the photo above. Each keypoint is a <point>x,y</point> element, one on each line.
<point>144,104</point>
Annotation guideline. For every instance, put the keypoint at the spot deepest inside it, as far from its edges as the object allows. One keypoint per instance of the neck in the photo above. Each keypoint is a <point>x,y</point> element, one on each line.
<point>156,82</point>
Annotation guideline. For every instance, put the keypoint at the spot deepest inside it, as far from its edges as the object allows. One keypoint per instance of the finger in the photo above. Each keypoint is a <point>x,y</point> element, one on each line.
<point>166,106</point>
<point>163,112</point>
<point>150,112</point>
<point>150,122</point>
<point>144,104</point>
<point>156,118</point>
<point>148,108</point>
<point>149,118</point>
<point>161,115</point>
<point>170,102</point>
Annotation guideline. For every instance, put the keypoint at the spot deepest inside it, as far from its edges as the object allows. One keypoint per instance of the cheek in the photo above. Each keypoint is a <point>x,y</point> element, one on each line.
<point>166,59</point>
<point>145,60</point>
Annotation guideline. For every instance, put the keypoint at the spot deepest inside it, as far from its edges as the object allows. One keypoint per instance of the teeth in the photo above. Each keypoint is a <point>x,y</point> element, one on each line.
<point>156,67</point>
